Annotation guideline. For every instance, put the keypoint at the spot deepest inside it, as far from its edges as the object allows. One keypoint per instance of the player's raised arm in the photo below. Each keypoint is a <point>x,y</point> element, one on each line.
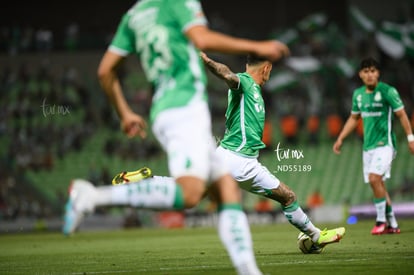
<point>209,40</point>
<point>221,70</point>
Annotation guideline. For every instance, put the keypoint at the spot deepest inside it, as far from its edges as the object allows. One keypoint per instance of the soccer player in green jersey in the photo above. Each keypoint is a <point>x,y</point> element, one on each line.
<point>242,141</point>
<point>167,36</point>
<point>376,103</point>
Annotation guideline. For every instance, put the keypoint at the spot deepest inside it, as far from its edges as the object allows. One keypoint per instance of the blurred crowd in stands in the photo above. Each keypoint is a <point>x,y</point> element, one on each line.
<point>32,140</point>
<point>309,90</point>
<point>43,117</point>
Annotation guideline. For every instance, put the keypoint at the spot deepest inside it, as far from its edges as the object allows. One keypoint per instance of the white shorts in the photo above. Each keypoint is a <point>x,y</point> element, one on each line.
<point>185,135</point>
<point>378,161</point>
<point>248,172</point>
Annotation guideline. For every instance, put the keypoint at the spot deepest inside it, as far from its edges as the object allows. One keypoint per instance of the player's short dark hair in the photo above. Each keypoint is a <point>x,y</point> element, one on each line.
<point>368,63</point>
<point>253,59</point>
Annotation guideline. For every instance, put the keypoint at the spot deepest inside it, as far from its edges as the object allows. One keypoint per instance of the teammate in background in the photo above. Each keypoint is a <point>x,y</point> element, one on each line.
<point>376,103</point>
<point>167,36</point>
<point>242,141</point>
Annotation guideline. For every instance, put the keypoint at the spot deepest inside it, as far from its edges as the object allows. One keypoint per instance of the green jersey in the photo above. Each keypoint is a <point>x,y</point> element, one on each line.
<point>155,30</point>
<point>245,117</point>
<point>377,112</point>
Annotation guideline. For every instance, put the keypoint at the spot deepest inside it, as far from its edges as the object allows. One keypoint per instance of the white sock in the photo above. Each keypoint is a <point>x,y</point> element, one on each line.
<point>380,205</point>
<point>154,193</point>
<point>392,221</point>
<point>235,234</point>
<point>295,215</point>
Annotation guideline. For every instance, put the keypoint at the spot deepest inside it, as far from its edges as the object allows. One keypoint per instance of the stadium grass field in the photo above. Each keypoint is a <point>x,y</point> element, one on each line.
<point>199,251</point>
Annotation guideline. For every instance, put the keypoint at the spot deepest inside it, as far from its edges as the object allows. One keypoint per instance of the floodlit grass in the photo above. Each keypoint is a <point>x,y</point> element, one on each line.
<point>199,251</point>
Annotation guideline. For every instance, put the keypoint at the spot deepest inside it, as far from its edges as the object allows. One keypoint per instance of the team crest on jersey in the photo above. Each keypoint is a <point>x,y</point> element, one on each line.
<point>377,96</point>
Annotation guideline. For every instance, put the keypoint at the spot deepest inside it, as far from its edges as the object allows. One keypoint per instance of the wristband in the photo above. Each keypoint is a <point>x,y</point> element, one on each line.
<point>410,138</point>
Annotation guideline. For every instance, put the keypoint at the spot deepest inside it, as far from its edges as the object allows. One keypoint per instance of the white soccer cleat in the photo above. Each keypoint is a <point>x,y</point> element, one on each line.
<point>81,201</point>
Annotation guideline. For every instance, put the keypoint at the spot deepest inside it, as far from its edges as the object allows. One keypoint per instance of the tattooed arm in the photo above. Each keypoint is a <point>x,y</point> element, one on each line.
<point>221,70</point>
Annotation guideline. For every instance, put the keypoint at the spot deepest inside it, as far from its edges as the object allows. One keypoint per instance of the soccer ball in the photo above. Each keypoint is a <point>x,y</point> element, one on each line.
<point>306,244</point>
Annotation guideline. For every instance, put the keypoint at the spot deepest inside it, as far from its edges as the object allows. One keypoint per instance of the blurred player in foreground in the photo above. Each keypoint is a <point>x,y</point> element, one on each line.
<point>167,36</point>
<point>376,103</point>
<point>239,148</point>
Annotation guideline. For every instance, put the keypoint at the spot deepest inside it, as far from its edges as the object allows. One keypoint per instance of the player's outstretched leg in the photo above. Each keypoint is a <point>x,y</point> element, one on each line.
<point>81,201</point>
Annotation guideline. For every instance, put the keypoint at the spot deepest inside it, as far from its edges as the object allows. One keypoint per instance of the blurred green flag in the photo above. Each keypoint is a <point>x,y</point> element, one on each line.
<point>361,20</point>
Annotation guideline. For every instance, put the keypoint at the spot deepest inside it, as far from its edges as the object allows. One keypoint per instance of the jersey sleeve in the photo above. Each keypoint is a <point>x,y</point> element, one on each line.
<point>393,98</point>
<point>188,13</point>
<point>355,104</point>
<point>242,83</point>
<point>123,40</point>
